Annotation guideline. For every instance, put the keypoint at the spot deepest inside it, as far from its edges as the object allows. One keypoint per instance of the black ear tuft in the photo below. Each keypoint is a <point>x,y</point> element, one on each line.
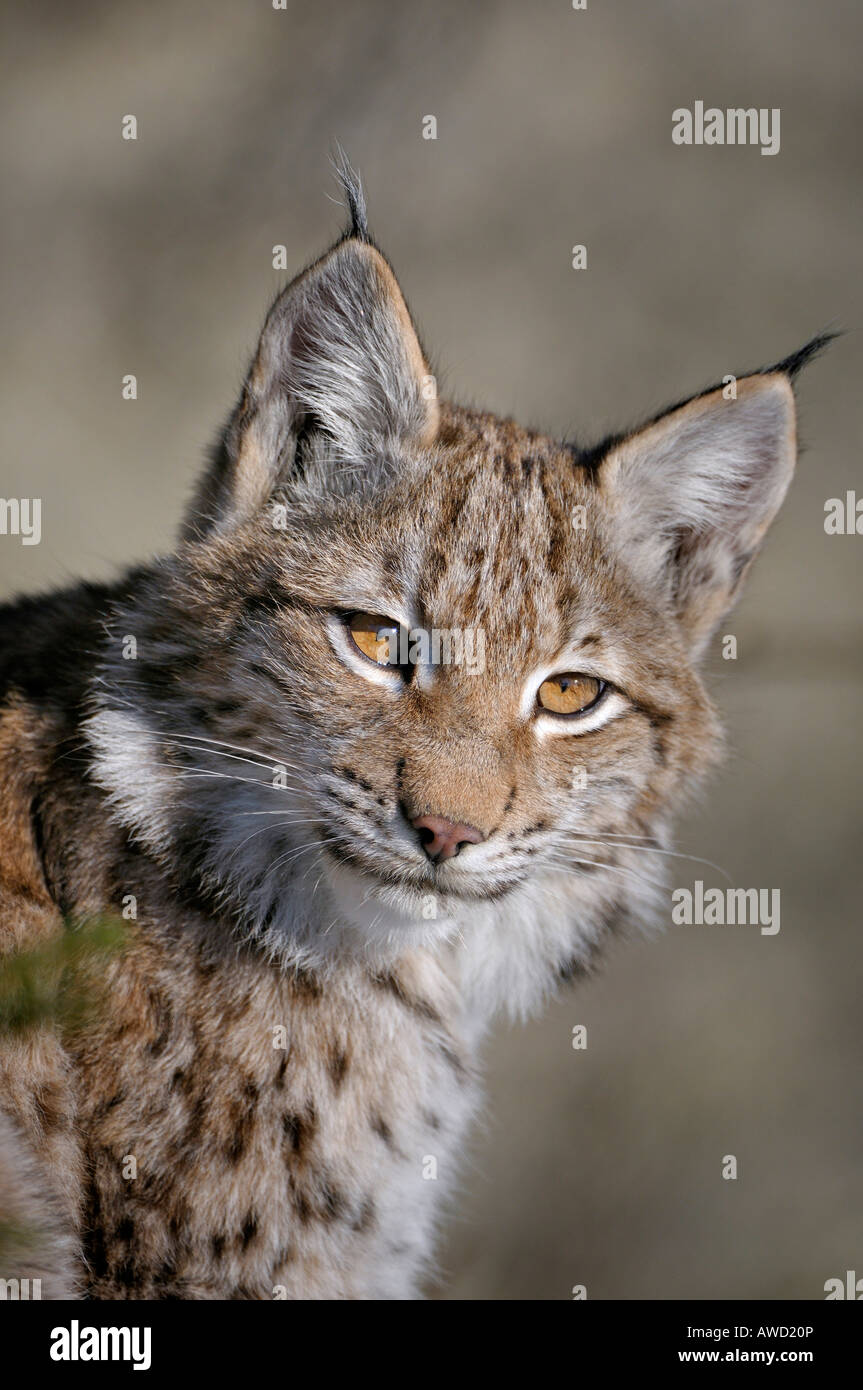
<point>352,189</point>
<point>795,363</point>
<point>591,457</point>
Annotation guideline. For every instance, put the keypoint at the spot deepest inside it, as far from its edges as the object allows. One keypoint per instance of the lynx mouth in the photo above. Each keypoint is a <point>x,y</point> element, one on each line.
<point>420,882</point>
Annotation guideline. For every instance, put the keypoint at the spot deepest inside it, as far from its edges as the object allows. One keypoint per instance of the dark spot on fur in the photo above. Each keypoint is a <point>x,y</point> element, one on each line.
<point>106,1105</point>
<point>163,1021</point>
<point>421,1007</point>
<point>93,1225</point>
<point>250,1230</point>
<point>260,604</point>
<point>236,1147</point>
<point>380,1127</point>
<point>342,800</point>
<point>197,1115</point>
<point>206,966</point>
<point>48,1102</point>
<point>243,1117</point>
<point>124,1273</point>
<point>338,1066</point>
<point>332,1202</point>
<point>452,1058</point>
<point>304,1210</point>
<point>300,1130</point>
<point>217,1245</point>
<point>305,983</point>
<point>125,1230</point>
<point>572,969</point>
<point>176,1224</point>
<point>365,1218</point>
<point>351,776</point>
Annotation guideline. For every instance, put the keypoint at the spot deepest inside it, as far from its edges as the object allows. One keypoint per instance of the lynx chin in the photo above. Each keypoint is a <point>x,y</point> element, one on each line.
<point>344,864</point>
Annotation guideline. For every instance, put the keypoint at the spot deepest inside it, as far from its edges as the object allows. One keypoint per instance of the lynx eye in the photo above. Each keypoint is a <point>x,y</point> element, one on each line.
<point>376,637</point>
<point>570,693</point>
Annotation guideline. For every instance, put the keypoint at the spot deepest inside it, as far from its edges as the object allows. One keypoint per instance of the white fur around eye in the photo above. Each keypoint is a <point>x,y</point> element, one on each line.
<point>340,641</point>
<point>611,706</point>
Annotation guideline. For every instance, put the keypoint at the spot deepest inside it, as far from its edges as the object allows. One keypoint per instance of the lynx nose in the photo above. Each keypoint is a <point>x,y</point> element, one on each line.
<point>442,839</point>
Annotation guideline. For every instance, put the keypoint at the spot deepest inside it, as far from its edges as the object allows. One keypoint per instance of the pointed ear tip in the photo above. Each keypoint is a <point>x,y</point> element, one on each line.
<point>772,404</point>
<point>360,246</point>
<point>768,383</point>
<point>367,259</point>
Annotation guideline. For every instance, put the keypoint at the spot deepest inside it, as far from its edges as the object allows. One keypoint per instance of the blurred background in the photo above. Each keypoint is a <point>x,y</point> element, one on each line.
<point>600,1167</point>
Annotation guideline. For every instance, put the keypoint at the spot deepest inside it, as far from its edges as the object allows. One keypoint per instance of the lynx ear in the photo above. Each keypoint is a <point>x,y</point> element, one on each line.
<point>693,493</point>
<point>339,376</point>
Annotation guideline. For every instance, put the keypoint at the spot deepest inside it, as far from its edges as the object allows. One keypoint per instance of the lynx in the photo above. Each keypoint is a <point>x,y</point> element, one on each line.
<point>338,863</point>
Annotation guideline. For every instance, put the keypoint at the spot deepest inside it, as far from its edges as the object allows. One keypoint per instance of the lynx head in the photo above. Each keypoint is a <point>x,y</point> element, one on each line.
<point>414,670</point>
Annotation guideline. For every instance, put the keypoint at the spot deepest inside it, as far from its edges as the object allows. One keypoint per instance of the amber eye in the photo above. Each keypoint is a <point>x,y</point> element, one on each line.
<point>376,637</point>
<point>570,693</point>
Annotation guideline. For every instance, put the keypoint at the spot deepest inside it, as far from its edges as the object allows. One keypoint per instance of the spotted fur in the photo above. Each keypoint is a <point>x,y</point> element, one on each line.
<point>273,1102</point>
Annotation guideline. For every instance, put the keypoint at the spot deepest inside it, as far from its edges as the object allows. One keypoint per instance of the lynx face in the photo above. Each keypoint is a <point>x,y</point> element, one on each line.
<point>412,662</point>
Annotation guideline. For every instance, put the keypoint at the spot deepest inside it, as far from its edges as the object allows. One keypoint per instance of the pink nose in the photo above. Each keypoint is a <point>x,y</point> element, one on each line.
<point>442,839</point>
